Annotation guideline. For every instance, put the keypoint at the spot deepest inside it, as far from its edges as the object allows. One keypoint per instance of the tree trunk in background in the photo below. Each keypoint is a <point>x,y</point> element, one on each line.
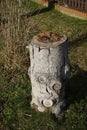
<point>49,71</point>
<point>51,3</point>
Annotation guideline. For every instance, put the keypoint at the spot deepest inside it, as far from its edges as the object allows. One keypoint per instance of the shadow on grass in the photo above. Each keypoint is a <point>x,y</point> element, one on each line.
<point>28,15</point>
<point>76,90</point>
<point>78,41</point>
<point>36,12</point>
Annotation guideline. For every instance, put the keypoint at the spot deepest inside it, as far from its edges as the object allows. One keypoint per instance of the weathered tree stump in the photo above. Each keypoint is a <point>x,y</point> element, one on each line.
<point>49,71</point>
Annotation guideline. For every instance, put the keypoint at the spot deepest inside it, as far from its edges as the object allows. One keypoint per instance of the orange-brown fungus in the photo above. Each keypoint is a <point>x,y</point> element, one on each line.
<point>49,37</point>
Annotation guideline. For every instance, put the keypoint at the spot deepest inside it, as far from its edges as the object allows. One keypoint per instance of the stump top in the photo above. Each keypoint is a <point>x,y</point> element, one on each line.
<point>48,40</point>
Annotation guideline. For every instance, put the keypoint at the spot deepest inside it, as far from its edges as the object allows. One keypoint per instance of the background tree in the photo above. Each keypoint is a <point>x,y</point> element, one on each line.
<point>51,3</point>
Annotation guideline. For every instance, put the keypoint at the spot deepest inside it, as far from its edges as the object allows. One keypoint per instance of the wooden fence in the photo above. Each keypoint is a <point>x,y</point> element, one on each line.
<point>76,4</point>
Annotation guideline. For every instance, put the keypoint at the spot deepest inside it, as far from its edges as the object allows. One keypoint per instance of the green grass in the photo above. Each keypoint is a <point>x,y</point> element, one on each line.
<point>15,86</point>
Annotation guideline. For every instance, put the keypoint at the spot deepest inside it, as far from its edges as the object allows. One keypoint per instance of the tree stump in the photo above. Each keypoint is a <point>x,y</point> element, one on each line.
<point>49,71</point>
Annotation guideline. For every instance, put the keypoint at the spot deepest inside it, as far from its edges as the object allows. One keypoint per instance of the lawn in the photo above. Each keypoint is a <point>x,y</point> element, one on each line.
<point>15,85</point>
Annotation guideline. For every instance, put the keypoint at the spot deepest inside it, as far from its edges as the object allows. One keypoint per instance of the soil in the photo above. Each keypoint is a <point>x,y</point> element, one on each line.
<point>49,37</point>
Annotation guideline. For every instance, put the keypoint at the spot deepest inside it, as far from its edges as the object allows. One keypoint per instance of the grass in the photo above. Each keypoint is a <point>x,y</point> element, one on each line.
<point>15,86</point>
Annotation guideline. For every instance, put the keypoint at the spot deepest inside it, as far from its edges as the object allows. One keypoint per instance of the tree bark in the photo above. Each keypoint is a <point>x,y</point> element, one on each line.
<point>51,3</point>
<point>49,71</point>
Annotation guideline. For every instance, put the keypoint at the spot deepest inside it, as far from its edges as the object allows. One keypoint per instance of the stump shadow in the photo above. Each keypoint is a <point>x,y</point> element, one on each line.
<point>78,41</point>
<point>76,90</point>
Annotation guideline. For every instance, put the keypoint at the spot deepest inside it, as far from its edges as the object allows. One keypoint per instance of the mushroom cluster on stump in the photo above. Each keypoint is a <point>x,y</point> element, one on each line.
<point>49,71</point>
